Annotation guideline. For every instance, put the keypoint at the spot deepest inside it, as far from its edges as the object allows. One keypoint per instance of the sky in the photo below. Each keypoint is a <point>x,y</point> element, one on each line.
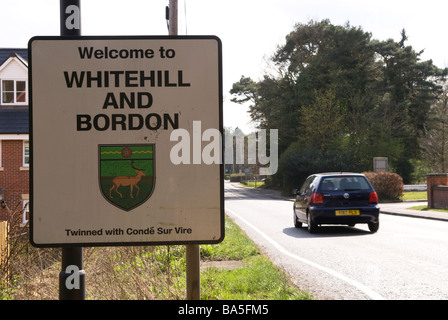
<point>250,30</point>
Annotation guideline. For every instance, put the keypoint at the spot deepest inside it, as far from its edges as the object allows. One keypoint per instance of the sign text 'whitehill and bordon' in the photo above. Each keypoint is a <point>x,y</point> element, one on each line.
<point>126,79</point>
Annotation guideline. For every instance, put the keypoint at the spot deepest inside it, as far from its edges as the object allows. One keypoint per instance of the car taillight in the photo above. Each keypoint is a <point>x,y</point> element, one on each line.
<point>373,197</point>
<point>318,198</point>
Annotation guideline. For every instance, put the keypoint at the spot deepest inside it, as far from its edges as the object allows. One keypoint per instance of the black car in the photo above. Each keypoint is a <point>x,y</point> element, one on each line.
<point>336,198</point>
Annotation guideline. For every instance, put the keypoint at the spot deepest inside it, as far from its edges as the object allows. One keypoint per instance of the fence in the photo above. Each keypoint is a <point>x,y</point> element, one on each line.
<point>415,187</point>
<point>4,247</point>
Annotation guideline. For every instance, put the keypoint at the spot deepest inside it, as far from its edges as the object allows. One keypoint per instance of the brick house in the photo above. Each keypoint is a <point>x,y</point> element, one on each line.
<point>14,131</point>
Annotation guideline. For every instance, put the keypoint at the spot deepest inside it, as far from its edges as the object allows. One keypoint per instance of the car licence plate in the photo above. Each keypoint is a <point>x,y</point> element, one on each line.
<point>347,212</point>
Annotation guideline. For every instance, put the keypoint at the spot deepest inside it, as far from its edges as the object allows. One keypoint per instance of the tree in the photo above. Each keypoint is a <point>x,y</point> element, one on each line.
<point>336,88</point>
<point>245,90</point>
<point>326,116</point>
<point>435,142</point>
<point>321,56</point>
<point>272,106</point>
<point>413,86</point>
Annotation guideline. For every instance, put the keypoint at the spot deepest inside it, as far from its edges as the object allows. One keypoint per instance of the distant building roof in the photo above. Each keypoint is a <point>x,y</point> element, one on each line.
<point>5,53</point>
<point>14,121</point>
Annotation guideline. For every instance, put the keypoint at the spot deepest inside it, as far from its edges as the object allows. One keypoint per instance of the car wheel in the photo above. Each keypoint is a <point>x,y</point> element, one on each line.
<point>297,223</point>
<point>312,226</point>
<point>374,226</point>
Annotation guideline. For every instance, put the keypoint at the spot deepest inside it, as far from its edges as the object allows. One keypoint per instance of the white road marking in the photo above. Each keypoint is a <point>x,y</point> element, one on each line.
<point>369,292</point>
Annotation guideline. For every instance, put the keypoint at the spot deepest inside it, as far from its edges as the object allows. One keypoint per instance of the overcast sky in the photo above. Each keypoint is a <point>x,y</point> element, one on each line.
<point>250,30</point>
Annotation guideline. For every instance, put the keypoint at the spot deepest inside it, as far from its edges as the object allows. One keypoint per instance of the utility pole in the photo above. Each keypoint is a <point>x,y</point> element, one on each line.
<point>192,251</point>
<point>70,21</point>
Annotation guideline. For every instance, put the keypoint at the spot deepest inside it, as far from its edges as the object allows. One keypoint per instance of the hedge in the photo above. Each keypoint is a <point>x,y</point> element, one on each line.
<point>389,186</point>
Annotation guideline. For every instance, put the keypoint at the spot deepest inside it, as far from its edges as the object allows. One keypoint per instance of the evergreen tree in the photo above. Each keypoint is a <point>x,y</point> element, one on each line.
<point>336,89</point>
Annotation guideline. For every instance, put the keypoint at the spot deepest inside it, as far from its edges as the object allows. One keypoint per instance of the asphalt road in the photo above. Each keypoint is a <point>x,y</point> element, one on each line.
<point>406,259</point>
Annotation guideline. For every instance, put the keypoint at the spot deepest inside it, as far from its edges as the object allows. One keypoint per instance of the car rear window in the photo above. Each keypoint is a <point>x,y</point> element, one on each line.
<point>344,183</point>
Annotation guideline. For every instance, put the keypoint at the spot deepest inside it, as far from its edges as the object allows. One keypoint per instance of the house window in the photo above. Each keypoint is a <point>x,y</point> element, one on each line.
<point>13,92</point>
<point>26,153</point>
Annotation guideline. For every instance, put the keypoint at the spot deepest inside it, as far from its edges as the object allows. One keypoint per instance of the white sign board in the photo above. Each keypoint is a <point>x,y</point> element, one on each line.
<point>125,141</point>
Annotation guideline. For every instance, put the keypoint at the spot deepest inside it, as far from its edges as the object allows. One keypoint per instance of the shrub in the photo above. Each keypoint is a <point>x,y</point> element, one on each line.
<point>389,186</point>
<point>235,177</point>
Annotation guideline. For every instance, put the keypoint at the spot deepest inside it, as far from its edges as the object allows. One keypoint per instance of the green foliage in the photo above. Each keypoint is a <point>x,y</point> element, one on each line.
<point>253,183</point>
<point>389,186</point>
<point>299,161</point>
<point>236,177</point>
<point>236,245</point>
<point>326,116</point>
<point>335,86</point>
<point>7,290</point>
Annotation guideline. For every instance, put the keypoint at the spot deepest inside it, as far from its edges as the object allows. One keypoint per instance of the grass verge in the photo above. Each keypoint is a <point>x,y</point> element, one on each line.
<point>253,184</point>
<point>415,195</point>
<point>152,273</point>
<point>257,279</point>
<point>425,208</point>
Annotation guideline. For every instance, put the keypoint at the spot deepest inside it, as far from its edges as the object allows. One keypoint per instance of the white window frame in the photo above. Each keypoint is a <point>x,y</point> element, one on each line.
<point>15,92</point>
<point>24,156</point>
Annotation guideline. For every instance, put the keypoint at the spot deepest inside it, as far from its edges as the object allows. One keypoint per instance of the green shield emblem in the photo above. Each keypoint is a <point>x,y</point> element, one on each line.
<point>126,174</point>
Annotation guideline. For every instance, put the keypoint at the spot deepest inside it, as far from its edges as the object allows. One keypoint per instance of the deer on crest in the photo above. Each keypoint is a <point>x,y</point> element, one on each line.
<point>125,181</point>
